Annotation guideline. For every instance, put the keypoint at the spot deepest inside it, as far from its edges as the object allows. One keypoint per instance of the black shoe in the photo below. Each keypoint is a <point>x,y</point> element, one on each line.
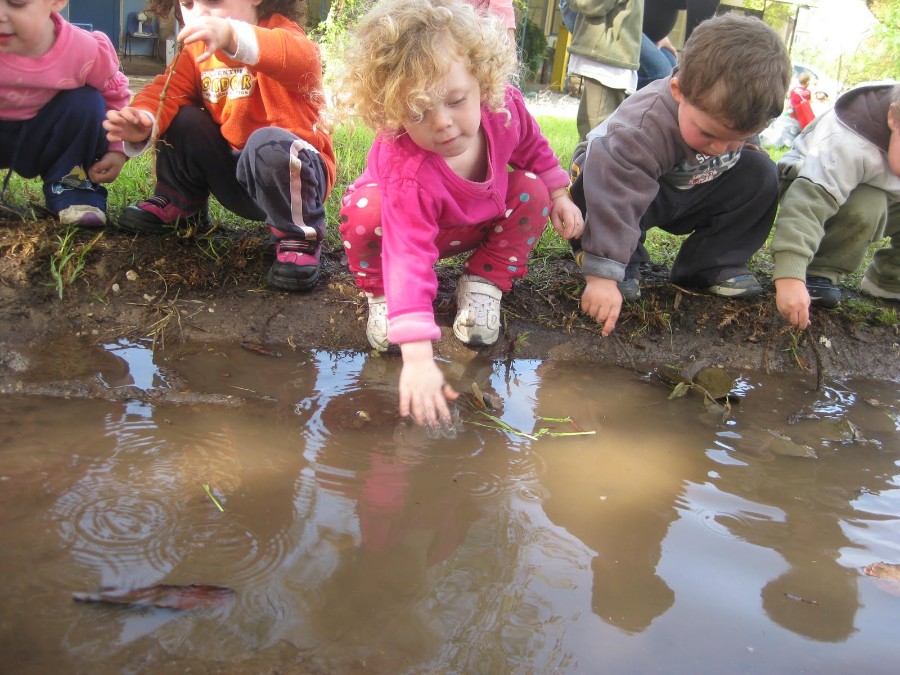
<point>296,266</point>
<point>158,215</point>
<point>823,293</point>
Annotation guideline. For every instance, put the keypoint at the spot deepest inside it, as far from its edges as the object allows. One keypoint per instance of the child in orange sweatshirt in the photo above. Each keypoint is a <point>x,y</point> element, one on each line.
<point>240,120</point>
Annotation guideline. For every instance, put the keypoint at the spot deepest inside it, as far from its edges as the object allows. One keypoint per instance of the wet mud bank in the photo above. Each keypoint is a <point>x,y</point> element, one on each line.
<point>174,291</point>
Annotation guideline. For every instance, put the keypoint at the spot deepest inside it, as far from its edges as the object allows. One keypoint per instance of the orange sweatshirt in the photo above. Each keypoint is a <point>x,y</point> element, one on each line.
<point>283,89</point>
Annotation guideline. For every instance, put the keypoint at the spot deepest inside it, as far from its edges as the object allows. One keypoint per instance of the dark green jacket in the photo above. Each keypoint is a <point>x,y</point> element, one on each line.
<point>608,31</point>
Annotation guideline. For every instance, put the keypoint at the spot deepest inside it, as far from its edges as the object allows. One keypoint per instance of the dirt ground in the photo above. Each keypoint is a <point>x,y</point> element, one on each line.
<point>214,289</point>
<point>173,290</point>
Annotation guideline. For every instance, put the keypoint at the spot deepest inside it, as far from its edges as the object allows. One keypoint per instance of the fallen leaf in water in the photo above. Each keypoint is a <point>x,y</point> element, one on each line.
<point>780,444</point>
<point>716,382</point>
<point>258,348</point>
<point>887,576</point>
<point>166,596</point>
<point>681,389</point>
<point>798,598</point>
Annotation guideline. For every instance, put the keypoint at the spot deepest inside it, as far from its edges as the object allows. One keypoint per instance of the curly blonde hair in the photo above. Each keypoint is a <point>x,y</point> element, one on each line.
<point>402,49</point>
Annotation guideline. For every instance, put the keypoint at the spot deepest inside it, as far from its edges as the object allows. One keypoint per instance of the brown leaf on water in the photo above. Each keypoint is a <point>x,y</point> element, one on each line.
<point>258,348</point>
<point>166,596</point>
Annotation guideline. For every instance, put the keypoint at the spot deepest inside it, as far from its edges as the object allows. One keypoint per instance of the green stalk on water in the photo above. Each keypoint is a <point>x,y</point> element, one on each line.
<point>211,496</point>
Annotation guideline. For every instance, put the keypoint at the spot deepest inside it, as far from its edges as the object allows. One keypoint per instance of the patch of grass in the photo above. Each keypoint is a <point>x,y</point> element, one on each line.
<point>69,258</point>
<point>870,312</point>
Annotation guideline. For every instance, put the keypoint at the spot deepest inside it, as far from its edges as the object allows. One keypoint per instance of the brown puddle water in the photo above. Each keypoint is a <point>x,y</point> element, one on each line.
<point>672,540</point>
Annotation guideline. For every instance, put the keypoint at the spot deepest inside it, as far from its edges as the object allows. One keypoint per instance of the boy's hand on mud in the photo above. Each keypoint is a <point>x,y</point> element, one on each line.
<point>107,168</point>
<point>128,124</point>
<point>603,301</point>
<point>423,391</point>
<point>566,217</point>
<point>792,301</point>
<point>213,32</point>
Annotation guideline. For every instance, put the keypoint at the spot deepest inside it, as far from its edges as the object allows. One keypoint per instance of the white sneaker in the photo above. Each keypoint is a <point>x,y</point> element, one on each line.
<point>477,311</point>
<point>377,324</point>
<point>870,287</point>
<point>82,215</point>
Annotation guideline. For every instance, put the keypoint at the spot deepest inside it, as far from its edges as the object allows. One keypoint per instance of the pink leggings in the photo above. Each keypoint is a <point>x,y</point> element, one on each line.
<point>501,247</point>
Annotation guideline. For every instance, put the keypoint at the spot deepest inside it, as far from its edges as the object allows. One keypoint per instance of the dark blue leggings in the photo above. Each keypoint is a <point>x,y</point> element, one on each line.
<point>60,144</point>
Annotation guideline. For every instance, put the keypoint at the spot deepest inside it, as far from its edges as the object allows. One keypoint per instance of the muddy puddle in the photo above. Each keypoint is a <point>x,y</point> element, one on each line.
<point>678,537</point>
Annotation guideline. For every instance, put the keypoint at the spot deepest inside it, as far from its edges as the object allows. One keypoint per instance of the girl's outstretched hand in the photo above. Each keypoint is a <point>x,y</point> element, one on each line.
<point>213,32</point>
<point>423,391</point>
<point>128,124</point>
<point>565,215</point>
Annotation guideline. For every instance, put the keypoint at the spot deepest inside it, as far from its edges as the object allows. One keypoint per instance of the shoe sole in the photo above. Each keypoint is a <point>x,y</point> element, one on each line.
<point>291,283</point>
<point>824,303</point>
<point>735,292</point>
<point>132,222</point>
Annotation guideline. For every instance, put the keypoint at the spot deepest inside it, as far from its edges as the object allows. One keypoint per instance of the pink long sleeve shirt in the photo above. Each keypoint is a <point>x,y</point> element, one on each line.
<point>420,193</point>
<point>76,59</point>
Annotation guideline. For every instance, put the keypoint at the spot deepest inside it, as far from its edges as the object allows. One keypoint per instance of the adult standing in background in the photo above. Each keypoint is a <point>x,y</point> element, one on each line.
<point>605,51</point>
<point>658,54</point>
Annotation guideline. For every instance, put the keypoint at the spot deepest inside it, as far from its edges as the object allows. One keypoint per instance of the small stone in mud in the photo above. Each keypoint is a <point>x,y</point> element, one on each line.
<point>131,275</point>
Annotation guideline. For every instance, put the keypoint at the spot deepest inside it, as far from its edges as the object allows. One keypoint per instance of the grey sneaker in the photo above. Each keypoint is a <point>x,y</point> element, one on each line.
<point>630,289</point>
<point>871,288</point>
<point>377,323</point>
<point>741,286</point>
<point>477,311</point>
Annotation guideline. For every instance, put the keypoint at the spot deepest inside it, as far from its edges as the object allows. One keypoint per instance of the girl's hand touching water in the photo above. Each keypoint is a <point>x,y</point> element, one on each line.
<point>423,391</point>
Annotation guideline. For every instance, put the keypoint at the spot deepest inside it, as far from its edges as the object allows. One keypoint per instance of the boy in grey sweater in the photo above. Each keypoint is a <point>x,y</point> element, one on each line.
<point>841,183</point>
<point>675,156</point>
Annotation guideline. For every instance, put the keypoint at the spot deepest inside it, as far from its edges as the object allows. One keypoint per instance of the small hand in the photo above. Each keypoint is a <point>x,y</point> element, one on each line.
<point>423,391</point>
<point>566,217</point>
<point>792,300</point>
<point>128,124</point>
<point>107,168</point>
<point>603,301</point>
<point>214,32</point>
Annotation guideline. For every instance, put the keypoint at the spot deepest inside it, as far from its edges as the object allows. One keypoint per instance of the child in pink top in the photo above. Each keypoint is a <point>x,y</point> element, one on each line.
<point>432,78</point>
<point>56,84</point>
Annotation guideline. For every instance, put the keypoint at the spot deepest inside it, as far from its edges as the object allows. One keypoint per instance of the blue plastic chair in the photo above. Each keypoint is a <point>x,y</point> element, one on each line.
<point>137,31</point>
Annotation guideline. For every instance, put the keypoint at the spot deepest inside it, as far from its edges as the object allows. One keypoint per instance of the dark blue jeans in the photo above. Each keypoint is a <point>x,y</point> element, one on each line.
<point>60,144</point>
<point>655,63</point>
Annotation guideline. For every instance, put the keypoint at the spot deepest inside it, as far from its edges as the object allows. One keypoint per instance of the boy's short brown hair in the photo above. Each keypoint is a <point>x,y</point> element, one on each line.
<point>736,68</point>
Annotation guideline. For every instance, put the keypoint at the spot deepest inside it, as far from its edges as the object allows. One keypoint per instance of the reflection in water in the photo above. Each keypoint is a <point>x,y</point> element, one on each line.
<point>673,537</point>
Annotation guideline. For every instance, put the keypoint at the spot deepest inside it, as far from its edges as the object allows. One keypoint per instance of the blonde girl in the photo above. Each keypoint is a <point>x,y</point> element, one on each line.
<point>458,164</point>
